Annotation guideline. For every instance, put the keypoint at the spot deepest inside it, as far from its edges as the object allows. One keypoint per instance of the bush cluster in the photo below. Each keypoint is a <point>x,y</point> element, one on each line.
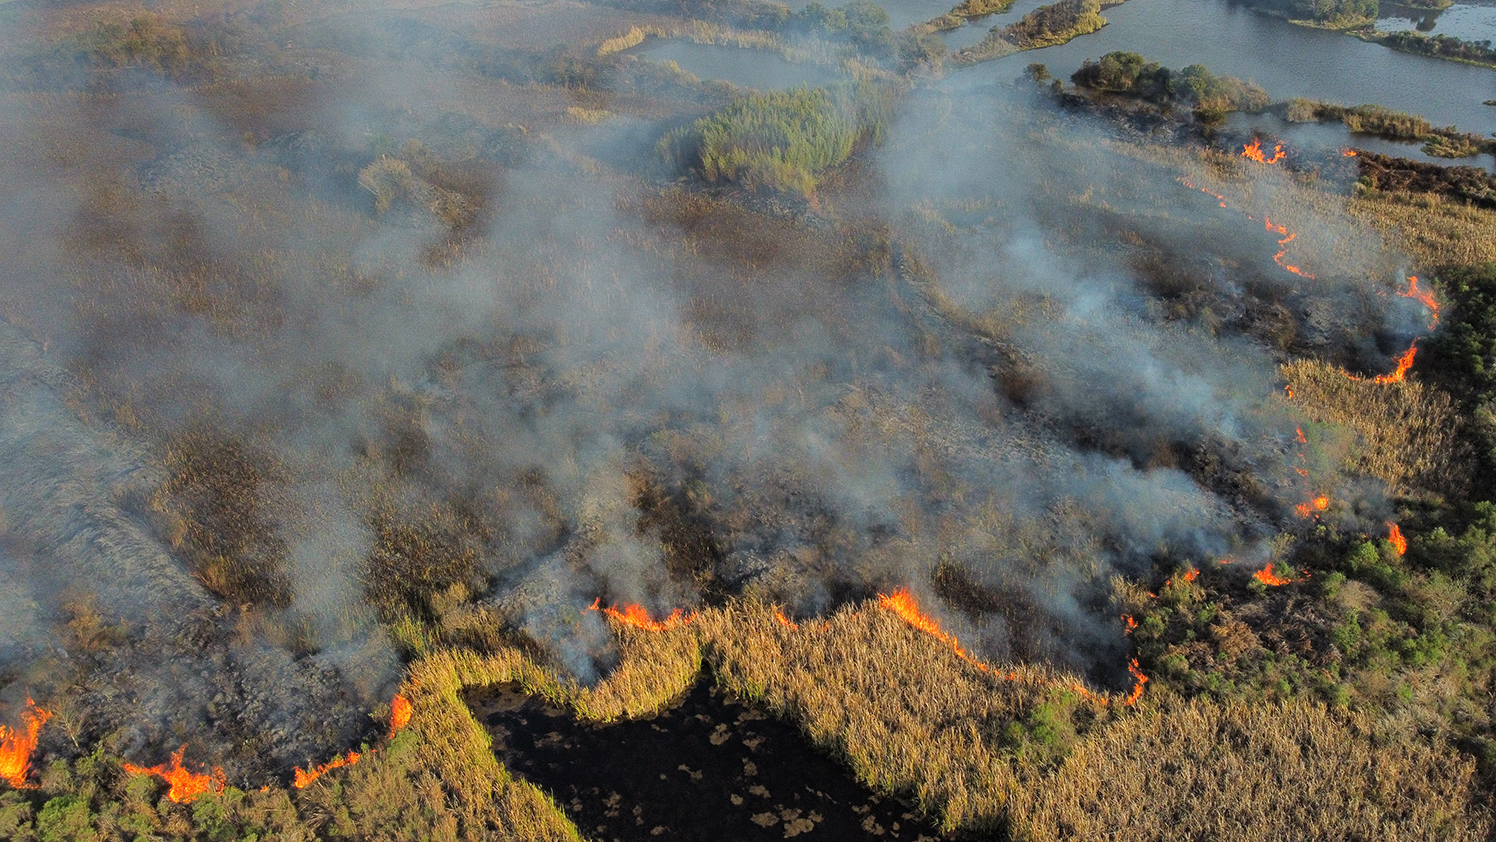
<point>1196,86</point>
<point>781,140</point>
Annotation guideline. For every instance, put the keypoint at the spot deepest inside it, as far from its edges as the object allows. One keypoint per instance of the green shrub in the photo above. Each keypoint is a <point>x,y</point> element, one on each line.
<point>780,140</point>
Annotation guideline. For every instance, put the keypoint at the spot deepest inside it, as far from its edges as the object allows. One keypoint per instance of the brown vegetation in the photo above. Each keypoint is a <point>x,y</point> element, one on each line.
<point>1409,434</point>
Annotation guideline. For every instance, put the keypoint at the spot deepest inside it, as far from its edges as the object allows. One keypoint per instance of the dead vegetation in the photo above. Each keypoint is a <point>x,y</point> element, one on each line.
<point>971,749</point>
<point>1408,433</point>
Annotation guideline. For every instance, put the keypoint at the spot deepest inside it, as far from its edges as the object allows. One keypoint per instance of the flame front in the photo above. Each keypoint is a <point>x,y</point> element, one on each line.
<point>400,711</point>
<point>1348,152</point>
<point>17,746</point>
<point>1138,681</point>
<point>1404,363</point>
<point>1253,150</point>
<point>635,615</point>
<point>1318,504</point>
<point>305,778</point>
<point>1271,579</point>
<point>186,785</point>
<point>902,603</point>
<point>1423,297</point>
<point>1283,247</point>
<point>1399,543</point>
<point>785,621</point>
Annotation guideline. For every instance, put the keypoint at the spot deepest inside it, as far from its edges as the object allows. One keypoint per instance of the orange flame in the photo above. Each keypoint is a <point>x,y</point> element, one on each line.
<point>1348,152</point>
<point>1283,247</point>
<point>635,615</point>
<point>785,621</point>
<point>16,747</point>
<point>901,602</point>
<point>1267,577</point>
<point>1404,363</point>
<point>1318,504</point>
<point>1139,680</point>
<point>305,778</point>
<point>186,786</point>
<point>1423,297</point>
<point>1253,150</point>
<point>1130,623</point>
<point>1399,543</point>
<point>400,711</point>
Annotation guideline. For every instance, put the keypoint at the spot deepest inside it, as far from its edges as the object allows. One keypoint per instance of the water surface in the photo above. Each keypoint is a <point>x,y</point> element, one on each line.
<point>759,69</point>
<point>1468,22</point>
<point>1286,60</point>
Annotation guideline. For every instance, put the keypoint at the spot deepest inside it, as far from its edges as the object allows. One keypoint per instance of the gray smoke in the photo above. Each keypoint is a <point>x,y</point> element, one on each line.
<point>625,391</point>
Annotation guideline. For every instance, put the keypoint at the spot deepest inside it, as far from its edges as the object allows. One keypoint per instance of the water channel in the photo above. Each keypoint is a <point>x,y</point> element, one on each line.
<point>1286,60</point>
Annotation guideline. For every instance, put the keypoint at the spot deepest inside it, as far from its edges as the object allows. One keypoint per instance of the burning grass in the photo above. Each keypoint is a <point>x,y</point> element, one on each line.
<point>909,715</point>
<point>1408,433</point>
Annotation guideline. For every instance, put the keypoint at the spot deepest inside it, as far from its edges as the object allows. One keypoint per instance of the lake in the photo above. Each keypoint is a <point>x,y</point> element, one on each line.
<point>759,69</point>
<point>1287,60</point>
<point>1465,21</point>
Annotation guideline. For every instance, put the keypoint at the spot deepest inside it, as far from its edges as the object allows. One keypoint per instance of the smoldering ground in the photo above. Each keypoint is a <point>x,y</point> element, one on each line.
<point>301,383</point>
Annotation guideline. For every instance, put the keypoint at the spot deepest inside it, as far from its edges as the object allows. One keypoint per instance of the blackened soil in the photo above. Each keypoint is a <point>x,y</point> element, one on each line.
<point>711,768</point>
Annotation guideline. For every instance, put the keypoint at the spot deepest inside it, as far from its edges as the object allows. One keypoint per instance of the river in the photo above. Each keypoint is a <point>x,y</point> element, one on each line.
<point>1287,60</point>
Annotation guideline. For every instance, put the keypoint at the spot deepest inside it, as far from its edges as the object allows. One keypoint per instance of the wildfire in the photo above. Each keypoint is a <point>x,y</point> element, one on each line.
<point>400,711</point>
<point>1130,623</point>
<point>16,746</point>
<point>635,615</point>
<point>1404,363</point>
<point>1318,504</point>
<point>186,785</point>
<point>1253,150</point>
<point>1267,577</point>
<point>901,602</point>
<point>1348,152</point>
<point>785,621</point>
<point>305,778</point>
<point>1138,681</point>
<point>1283,247</point>
<point>1395,535</point>
<point>1423,297</point>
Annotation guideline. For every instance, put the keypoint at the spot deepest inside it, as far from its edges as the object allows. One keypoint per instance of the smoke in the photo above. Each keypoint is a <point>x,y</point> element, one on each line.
<point>430,381</point>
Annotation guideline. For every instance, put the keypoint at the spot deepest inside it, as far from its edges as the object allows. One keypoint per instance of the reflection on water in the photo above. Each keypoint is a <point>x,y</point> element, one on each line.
<point>759,69</point>
<point>1287,60</point>
<point>974,31</point>
<point>1464,21</point>
<point>901,13</point>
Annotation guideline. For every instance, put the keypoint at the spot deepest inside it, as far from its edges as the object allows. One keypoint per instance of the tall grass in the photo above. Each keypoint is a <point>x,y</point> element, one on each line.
<point>1408,433</point>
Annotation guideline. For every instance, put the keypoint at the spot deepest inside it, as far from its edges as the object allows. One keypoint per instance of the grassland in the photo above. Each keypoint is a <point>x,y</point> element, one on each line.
<point>973,750</point>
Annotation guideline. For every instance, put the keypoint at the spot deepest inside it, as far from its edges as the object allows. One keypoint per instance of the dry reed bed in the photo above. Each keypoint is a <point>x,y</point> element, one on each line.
<point>1408,433</point>
<point>910,716</point>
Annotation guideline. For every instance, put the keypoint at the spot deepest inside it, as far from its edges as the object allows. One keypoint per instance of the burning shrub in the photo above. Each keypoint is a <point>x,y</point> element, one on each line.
<point>1409,433</point>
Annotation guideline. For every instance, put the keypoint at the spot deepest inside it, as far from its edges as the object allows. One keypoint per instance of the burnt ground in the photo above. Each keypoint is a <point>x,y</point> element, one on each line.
<point>712,768</point>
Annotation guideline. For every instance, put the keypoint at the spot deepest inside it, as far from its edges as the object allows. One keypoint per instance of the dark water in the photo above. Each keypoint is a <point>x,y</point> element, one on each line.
<point>1287,60</point>
<point>1462,20</point>
<point>709,769</point>
<point>901,13</point>
<point>758,69</point>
